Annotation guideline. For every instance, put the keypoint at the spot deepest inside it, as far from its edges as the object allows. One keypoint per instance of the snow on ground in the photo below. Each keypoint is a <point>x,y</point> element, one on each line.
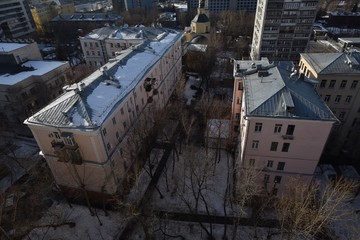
<point>86,226</point>
<point>195,161</point>
<point>19,156</point>
<point>188,92</point>
<point>332,44</point>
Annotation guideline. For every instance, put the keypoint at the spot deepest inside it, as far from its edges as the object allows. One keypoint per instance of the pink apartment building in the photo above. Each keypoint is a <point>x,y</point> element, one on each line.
<point>83,134</point>
<point>283,123</point>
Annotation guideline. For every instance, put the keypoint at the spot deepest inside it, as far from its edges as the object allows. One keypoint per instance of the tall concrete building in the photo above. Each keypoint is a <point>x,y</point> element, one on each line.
<point>15,19</point>
<point>282,28</point>
<point>216,6</point>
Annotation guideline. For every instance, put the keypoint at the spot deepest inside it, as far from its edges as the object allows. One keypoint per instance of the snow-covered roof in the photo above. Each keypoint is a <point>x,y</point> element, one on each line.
<point>273,90</point>
<point>8,47</point>
<point>39,68</point>
<point>88,103</point>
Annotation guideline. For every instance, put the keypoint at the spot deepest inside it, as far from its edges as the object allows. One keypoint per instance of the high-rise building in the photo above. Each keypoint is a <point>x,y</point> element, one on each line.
<point>282,28</point>
<point>15,19</point>
<point>216,6</point>
<point>283,123</point>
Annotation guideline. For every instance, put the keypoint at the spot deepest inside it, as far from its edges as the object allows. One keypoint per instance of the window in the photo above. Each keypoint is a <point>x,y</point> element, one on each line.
<point>348,99</point>
<point>337,98</point>
<point>104,131</point>
<point>251,162</point>
<point>354,84</point>
<point>332,84</point>
<point>266,178</point>
<point>117,135</point>
<point>327,98</point>
<point>343,83</point>
<point>237,116</point>
<point>290,130</point>
<point>108,146</point>
<point>280,166</point>
<point>255,144</point>
<point>274,191</point>
<point>124,124</point>
<point>258,127</point>
<point>57,135</point>
<point>122,111</point>
<point>342,115</point>
<point>240,87</point>
<point>85,44</point>
<point>277,128</point>
<point>285,147</point>
<point>270,164</point>
<point>238,100</point>
<point>277,179</point>
<point>114,120</point>
<point>274,146</point>
<point>323,83</point>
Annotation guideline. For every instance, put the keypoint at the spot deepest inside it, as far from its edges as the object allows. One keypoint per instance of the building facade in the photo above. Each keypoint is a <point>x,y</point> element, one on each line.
<point>120,6</point>
<point>282,29</point>
<point>106,43</point>
<point>27,83</point>
<point>217,6</point>
<point>283,124</point>
<point>44,12</point>
<point>85,134</point>
<point>338,75</point>
<point>15,19</point>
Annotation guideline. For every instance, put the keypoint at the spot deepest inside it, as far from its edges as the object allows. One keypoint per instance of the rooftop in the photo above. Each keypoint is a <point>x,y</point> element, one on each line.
<point>28,69</point>
<point>88,103</point>
<point>8,47</point>
<point>273,91</point>
<point>113,32</point>
<point>87,17</point>
<point>333,63</point>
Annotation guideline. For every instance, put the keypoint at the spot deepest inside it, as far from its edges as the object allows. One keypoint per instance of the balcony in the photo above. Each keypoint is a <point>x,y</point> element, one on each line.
<point>288,137</point>
<point>67,153</point>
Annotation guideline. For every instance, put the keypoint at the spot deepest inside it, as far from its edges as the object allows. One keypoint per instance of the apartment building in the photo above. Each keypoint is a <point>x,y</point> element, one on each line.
<point>15,19</point>
<point>338,75</point>
<point>84,134</point>
<point>27,83</point>
<point>44,12</point>
<point>283,123</point>
<point>282,29</point>
<point>106,43</point>
<point>217,6</point>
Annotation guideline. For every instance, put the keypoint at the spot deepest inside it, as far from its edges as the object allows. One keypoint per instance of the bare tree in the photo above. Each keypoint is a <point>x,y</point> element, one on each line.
<point>307,210</point>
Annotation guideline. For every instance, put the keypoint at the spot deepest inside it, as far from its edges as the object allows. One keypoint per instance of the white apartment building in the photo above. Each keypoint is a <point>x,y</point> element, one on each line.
<point>15,19</point>
<point>282,28</point>
<point>83,134</point>
<point>106,43</point>
<point>283,124</point>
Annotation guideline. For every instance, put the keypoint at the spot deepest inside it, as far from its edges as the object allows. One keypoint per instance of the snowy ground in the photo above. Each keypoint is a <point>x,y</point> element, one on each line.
<point>86,226</point>
<point>188,92</point>
<point>17,157</point>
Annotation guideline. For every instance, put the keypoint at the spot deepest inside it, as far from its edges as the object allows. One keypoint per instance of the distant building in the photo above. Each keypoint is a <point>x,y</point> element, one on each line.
<point>45,11</point>
<point>79,24</point>
<point>84,134</point>
<point>344,19</point>
<point>15,19</point>
<point>27,83</point>
<point>200,26</point>
<point>106,43</point>
<point>120,6</point>
<point>283,124</point>
<point>282,29</point>
<point>216,6</point>
<point>338,77</point>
